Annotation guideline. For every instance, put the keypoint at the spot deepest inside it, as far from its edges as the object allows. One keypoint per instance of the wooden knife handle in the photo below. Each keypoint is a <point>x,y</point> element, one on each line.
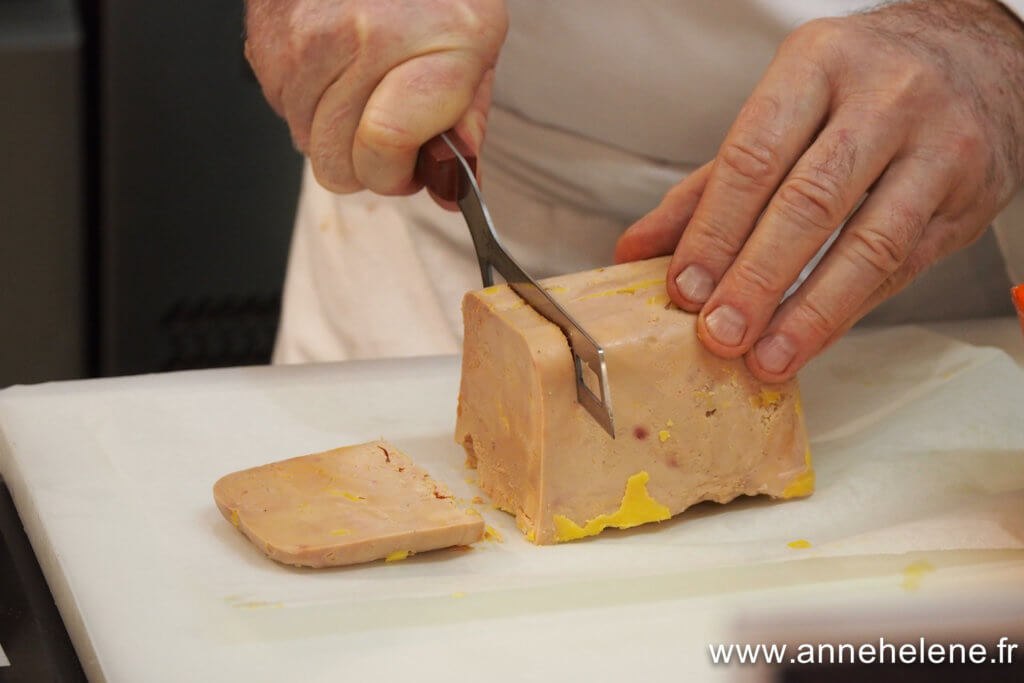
<point>437,168</point>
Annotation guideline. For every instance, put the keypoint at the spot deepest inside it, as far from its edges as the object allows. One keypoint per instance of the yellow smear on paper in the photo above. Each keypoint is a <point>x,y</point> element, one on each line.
<point>470,480</point>
<point>803,485</point>
<point>631,289</point>
<point>341,532</point>
<point>344,494</point>
<point>476,500</point>
<point>766,398</point>
<point>259,604</point>
<point>913,574</point>
<point>658,300</point>
<point>234,517</point>
<point>663,435</point>
<point>398,555</point>
<point>797,545</point>
<point>637,508</point>
<point>493,535</point>
<point>459,594</point>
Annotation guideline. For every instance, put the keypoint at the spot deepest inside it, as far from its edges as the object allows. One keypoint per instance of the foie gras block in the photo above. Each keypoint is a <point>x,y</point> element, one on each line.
<point>345,506</point>
<point>689,426</point>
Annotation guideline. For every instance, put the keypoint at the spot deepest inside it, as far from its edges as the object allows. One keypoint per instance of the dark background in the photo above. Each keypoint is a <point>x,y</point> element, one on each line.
<point>147,191</point>
<point>147,194</point>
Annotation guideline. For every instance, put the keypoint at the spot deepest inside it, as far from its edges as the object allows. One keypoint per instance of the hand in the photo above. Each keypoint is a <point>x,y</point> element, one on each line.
<point>364,83</point>
<point>919,104</point>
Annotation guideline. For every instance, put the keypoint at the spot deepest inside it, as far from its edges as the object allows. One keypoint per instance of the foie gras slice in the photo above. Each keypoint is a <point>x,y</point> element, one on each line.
<point>689,426</point>
<point>345,506</point>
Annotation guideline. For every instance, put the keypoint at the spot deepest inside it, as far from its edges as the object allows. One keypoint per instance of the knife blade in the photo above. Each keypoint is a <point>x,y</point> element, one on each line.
<point>447,167</point>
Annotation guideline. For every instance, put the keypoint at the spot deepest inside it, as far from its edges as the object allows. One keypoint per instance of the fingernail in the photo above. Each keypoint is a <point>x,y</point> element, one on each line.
<point>726,325</point>
<point>695,283</point>
<point>775,352</point>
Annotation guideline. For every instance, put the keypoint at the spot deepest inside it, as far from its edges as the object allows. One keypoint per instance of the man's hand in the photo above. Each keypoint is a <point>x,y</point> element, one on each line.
<point>920,105</point>
<point>364,83</point>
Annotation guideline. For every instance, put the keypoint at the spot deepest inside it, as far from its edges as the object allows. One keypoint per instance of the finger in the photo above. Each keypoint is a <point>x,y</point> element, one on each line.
<point>335,119</point>
<point>774,127</point>
<point>414,102</point>
<point>658,233</point>
<point>889,288</point>
<point>942,237</point>
<point>872,250</point>
<point>473,128</point>
<point>810,204</point>
<point>473,124</point>
<point>322,55</point>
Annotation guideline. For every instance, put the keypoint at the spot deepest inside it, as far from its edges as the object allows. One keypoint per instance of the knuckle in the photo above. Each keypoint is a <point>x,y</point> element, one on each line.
<point>378,132</point>
<point>250,49</point>
<point>489,21</point>
<point>966,144</point>
<point>710,241</point>
<point>313,37</point>
<point>945,165</point>
<point>486,19</point>
<point>816,319</point>
<point>458,72</point>
<point>332,173</point>
<point>812,201</point>
<point>914,265</point>
<point>907,223</point>
<point>816,35</point>
<point>906,274</point>
<point>911,81</point>
<point>876,249</point>
<point>263,63</point>
<point>749,163</point>
<point>884,108</point>
<point>303,32</point>
<point>756,281</point>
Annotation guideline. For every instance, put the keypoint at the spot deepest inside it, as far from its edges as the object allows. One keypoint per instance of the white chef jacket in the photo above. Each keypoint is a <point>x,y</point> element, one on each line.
<point>600,106</point>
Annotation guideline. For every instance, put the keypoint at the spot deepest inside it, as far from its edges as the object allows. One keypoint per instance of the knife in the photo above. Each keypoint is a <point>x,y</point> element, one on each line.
<point>447,167</point>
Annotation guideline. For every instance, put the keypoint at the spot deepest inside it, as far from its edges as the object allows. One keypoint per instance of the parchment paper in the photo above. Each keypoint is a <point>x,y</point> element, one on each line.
<point>917,440</point>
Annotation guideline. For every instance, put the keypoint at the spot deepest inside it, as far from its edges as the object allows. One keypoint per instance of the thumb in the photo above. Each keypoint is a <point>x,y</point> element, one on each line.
<point>472,128</point>
<point>473,124</point>
<point>658,233</point>
<point>412,103</point>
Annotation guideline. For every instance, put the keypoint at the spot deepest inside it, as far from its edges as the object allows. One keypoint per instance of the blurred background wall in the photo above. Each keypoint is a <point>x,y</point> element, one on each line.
<point>146,191</point>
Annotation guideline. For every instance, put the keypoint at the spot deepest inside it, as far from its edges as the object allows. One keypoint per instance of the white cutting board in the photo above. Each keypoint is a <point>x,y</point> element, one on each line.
<point>918,441</point>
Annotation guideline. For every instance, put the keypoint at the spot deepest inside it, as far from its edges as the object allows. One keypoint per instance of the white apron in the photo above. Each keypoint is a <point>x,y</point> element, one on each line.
<point>600,107</point>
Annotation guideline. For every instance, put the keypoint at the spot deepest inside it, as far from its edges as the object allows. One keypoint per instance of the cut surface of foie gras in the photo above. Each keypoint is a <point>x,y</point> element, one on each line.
<point>689,426</point>
<point>345,506</point>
